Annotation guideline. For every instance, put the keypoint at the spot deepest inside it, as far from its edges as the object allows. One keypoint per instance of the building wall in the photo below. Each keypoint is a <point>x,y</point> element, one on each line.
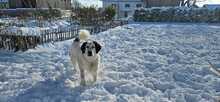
<point>158,3</point>
<point>121,9</point>
<point>120,6</point>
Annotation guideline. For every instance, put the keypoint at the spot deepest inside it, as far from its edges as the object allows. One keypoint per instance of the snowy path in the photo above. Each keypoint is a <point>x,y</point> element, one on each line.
<point>141,63</point>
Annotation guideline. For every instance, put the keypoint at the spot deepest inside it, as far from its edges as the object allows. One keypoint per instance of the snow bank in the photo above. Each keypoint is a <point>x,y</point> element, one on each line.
<point>141,63</point>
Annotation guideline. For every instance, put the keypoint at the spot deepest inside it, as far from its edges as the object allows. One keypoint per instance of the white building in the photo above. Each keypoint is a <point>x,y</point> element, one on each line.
<point>124,8</point>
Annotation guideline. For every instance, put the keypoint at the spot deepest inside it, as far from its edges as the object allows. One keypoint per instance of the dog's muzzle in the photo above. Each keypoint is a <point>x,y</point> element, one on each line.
<point>89,53</point>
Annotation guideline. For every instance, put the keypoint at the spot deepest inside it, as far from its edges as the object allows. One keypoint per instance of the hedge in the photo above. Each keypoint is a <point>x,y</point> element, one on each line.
<point>177,14</point>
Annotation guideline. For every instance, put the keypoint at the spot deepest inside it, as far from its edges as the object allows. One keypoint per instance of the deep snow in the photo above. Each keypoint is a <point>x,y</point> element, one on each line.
<point>150,62</point>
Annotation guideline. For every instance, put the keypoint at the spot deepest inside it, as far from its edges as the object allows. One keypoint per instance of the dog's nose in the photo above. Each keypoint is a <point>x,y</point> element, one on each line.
<point>89,53</point>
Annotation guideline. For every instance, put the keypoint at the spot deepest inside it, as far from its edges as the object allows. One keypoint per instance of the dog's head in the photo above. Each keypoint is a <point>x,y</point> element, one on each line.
<point>90,48</point>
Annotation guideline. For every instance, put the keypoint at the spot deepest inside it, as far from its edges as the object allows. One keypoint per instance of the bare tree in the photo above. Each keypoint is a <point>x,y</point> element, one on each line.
<point>190,3</point>
<point>29,3</point>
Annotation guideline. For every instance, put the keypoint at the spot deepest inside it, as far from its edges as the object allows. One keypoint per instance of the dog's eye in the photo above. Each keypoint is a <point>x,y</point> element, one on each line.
<point>87,46</point>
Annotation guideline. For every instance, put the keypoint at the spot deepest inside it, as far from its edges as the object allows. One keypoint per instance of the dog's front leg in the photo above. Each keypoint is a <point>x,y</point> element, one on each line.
<point>94,72</point>
<point>82,76</point>
<point>94,76</point>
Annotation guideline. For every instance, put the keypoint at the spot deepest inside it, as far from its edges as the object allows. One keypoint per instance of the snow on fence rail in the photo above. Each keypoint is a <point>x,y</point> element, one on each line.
<point>22,42</point>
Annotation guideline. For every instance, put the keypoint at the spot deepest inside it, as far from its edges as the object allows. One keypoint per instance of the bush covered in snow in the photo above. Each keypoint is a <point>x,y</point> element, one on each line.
<point>177,14</point>
<point>34,26</point>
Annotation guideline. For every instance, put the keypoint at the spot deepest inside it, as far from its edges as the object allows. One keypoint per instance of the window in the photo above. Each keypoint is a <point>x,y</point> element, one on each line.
<point>126,14</point>
<point>127,5</point>
<point>138,5</point>
<point>114,5</point>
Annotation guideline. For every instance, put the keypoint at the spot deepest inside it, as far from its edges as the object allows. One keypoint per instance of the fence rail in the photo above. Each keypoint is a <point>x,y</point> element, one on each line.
<point>58,35</point>
<point>22,42</point>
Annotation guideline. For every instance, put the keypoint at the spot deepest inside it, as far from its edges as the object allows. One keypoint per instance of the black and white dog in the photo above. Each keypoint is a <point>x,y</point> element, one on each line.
<point>85,55</point>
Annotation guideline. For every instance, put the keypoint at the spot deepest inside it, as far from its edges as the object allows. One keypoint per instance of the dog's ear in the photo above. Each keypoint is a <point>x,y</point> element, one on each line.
<point>83,47</point>
<point>98,47</point>
<point>77,40</point>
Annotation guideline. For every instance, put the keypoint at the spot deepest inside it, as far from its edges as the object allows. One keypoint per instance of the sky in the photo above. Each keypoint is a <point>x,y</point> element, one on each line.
<point>98,3</point>
<point>209,2</point>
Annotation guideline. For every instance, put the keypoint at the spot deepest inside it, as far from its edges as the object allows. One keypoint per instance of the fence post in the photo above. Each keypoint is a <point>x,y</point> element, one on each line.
<point>45,37</point>
<point>50,34</point>
<point>42,37</point>
<point>49,37</point>
<point>68,33</point>
<point>56,34</point>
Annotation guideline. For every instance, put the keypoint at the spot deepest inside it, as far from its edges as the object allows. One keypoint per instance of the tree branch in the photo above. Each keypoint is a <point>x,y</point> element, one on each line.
<point>213,69</point>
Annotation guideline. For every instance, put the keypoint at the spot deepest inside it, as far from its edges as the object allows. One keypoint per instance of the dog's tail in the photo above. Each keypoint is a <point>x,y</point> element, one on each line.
<point>84,34</point>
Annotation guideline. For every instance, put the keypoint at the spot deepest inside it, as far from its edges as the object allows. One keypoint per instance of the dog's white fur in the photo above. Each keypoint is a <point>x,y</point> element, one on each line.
<point>83,62</point>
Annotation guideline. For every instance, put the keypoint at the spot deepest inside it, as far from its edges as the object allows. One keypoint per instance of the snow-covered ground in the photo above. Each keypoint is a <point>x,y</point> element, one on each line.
<point>140,63</point>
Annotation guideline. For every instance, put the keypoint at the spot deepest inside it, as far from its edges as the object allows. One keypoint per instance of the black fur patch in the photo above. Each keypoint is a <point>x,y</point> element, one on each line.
<point>98,47</point>
<point>83,47</point>
<point>77,39</point>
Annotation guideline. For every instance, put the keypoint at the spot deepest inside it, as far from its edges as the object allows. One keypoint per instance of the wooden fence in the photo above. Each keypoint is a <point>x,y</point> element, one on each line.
<point>16,42</point>
<point>57,35</point>
<point>21,42</point>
